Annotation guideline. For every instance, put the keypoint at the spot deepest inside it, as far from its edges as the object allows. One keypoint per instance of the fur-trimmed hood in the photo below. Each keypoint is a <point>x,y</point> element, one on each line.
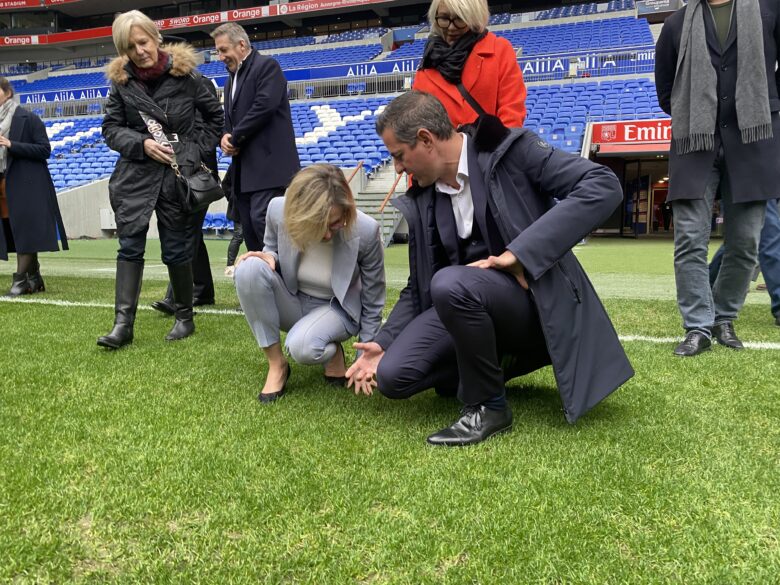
<point>183,62</point>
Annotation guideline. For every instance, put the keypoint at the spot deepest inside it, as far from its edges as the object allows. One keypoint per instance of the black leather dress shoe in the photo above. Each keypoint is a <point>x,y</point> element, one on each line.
<point>164,306</point>
<point>476,423</point>
<point>725,335</point>
<point>200,302</point>
<point>271,396</point>
<point>694,343</point>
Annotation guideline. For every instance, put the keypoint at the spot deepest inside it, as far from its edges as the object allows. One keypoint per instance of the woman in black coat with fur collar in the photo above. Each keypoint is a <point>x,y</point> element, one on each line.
<point>163,82</point>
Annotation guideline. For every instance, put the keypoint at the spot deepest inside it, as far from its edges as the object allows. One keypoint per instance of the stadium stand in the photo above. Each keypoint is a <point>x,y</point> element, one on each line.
<point>594,35</point>
<point>341,130</point>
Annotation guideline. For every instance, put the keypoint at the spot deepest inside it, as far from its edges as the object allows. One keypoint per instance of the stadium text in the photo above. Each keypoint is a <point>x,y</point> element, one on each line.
<point>64,96</point>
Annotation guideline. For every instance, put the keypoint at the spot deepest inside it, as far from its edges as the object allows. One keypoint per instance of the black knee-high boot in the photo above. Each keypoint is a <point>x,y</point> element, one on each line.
<point>181,282</point>
<point>128,289</point>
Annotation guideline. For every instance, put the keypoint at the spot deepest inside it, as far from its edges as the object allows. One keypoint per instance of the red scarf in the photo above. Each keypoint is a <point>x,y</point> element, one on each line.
<point>155,71</point>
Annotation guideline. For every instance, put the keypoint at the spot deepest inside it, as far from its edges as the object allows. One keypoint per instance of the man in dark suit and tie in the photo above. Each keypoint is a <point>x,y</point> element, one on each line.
<point>494,290</point>
<point>258,129</point>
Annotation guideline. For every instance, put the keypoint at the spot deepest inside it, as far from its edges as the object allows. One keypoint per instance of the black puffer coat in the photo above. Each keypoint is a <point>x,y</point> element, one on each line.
<point>138,180</point>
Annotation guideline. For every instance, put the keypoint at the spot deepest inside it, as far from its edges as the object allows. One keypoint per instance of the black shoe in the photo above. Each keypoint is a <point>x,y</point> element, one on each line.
<point>164,306</point>
<point>338,381</point>
<point>35,278</point>
<point>475,424</point>
<point>201,302</point>
<point>694,343</point>
<point>271,396</point>
<point>20,285</point>
<point>725,335</point>
<point>36,282</point>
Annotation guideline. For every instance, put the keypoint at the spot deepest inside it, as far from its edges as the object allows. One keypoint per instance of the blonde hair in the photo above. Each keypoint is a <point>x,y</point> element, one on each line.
<point>312,193</point>
<point>474,13</point>
<point>124,23</point>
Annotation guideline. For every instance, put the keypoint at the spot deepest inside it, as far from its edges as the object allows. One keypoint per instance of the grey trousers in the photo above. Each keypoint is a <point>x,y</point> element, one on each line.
<point>314,326</point>
<point>702,306</point>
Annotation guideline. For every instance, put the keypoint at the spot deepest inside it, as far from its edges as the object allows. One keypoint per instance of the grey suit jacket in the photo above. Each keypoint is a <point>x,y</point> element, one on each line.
<point>358,277</point>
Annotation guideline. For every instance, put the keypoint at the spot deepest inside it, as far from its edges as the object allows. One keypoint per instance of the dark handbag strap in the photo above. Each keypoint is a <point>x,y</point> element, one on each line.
<point>470,99</point>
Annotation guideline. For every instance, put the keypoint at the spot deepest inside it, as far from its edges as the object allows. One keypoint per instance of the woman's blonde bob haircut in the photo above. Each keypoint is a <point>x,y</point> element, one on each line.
<point>123,25</point>
<point>312,193</point>
<point>474,13</point>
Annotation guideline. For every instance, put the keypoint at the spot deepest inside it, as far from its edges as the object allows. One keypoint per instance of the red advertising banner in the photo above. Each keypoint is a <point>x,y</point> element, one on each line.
<point>633,132</point>
<point>11,4</point>
<point>208,19</point>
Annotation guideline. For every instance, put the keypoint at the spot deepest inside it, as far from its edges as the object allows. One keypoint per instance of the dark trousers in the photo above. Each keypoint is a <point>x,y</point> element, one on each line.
<point>202,280</point>
<point>235,243</point>
<point>252,208</point>
<point>478,320</point>
<point>176,244</point>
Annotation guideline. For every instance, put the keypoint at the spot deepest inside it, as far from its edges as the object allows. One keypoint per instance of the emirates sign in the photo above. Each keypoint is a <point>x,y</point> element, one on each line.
<point>633,132</point>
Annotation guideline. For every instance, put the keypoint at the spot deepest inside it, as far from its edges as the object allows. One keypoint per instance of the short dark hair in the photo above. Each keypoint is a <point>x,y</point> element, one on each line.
<point>413,110</point>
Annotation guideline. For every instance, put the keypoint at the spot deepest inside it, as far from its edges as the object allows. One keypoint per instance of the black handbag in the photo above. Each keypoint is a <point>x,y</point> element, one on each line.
<point>487,131</point>
<point>198,190</point>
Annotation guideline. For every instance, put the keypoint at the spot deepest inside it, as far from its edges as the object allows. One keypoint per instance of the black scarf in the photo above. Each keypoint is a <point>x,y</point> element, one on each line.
<point>449,60</point>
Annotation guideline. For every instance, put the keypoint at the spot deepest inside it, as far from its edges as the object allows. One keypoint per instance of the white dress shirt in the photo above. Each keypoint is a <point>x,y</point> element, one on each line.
<point>462,203</point>
<point>235,77</point>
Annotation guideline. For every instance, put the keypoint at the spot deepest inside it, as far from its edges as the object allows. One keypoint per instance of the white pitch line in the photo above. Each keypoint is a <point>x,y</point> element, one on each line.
<point>626,338</point>
<point>55,303</point>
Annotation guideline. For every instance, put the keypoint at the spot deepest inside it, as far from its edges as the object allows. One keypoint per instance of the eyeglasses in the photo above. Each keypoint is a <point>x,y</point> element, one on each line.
<point>445,21</point>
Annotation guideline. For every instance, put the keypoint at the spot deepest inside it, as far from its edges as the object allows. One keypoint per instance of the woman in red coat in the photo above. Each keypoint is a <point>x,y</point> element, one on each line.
<point>461,49</point>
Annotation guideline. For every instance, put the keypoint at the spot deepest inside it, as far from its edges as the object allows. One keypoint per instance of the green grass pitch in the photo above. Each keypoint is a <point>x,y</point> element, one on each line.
<point>156,463</point>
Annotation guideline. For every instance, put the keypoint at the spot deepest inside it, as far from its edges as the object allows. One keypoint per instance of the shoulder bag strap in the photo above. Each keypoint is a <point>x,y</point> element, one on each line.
<point>470,99</point>
<point>158,133</point>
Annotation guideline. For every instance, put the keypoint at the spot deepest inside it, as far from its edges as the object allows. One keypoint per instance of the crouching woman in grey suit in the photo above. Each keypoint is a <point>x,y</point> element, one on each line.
<point>320,277</point>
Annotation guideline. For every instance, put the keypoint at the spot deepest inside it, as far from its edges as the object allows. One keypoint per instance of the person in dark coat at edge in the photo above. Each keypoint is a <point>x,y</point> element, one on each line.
<point>715,74</point>
<point>494,290</point>
<point>202,279</point>
<point>162,82</point>
<point>259,134</point>
<point>28,203</point>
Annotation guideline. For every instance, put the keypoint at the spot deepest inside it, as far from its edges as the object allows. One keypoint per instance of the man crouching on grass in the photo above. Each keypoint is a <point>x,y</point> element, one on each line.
<point>494,290</point>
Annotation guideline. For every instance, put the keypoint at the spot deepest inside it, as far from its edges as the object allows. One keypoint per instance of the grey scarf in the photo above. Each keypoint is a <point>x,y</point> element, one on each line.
<point>6,116</point>
<point>694,94</point>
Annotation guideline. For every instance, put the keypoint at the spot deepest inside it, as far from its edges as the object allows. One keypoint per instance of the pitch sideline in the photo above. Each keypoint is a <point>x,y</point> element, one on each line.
<point>626,338</point>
